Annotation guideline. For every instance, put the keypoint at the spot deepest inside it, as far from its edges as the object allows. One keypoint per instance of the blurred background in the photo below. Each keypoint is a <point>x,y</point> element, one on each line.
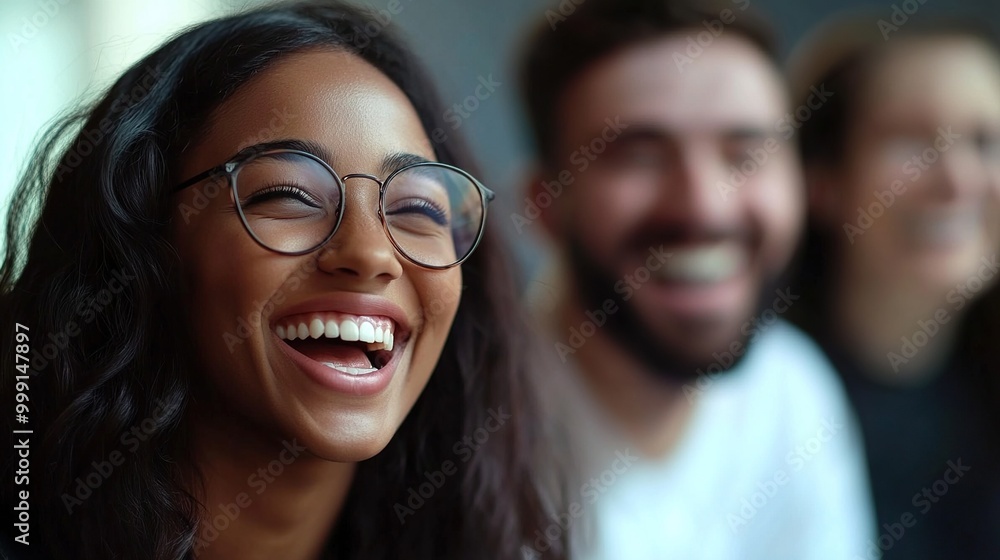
<point>58,53</point>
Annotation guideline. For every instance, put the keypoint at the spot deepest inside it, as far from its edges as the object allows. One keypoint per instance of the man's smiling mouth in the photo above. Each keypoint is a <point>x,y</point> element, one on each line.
<point>352,344</point>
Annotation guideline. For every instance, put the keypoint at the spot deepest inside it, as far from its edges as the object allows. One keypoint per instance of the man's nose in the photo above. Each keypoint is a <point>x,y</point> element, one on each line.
<point>695,194</point>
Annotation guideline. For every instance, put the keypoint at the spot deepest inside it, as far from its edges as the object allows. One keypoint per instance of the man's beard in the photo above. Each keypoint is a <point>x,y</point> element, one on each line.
<point>662,359</point>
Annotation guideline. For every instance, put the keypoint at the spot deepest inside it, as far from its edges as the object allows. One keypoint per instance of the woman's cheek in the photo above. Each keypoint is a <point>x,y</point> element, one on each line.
<point>442,292</point>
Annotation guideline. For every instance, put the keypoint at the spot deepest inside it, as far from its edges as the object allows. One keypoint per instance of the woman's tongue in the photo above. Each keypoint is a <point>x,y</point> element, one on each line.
<point>334,353</point>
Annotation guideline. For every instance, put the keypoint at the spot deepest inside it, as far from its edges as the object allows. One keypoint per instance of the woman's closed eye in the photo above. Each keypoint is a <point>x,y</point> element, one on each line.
<point>281,193</point>
<point>417,208</point>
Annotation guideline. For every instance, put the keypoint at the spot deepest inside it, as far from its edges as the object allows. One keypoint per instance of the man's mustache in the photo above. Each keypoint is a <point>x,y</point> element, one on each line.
<point>643,239</point>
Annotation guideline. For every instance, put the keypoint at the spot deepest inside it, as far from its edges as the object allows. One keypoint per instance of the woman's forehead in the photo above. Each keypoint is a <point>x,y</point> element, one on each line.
<point>334,99</point>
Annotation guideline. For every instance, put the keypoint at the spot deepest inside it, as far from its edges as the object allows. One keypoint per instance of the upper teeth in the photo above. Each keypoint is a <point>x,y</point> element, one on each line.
<point>712,263</point>
<point>377,331</point>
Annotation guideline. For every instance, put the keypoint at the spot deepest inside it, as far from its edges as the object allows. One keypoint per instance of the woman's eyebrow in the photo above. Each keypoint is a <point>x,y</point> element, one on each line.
<point>390,163</point>
<point>399,160</point>
<point>309,146</point>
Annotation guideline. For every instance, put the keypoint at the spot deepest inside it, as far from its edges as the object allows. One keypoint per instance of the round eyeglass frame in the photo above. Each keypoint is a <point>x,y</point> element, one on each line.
<point>231,169</point>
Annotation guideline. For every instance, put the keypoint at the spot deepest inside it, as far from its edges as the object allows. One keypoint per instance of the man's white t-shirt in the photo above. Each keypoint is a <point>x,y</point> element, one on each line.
<point>770,467</point>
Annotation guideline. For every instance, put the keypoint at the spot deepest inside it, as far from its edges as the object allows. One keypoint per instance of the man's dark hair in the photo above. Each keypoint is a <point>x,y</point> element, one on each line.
<point>562,47</point>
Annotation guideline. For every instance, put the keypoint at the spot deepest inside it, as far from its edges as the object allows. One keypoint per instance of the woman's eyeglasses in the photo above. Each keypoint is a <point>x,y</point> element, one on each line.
<point>292,202</point>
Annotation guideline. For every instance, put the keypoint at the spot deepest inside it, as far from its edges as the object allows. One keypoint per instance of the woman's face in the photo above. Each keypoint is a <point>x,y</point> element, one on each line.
<point>245,300</point>
<point>923,164</point>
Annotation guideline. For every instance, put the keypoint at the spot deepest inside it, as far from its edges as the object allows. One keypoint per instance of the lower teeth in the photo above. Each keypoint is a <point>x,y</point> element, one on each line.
<point>349,370</point>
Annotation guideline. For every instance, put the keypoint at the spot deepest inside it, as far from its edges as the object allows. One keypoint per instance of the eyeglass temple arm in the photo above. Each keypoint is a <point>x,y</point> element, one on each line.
<point>218,170</point>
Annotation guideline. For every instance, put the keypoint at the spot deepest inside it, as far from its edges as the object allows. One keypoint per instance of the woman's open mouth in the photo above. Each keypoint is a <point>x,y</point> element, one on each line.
<point>351,353</point>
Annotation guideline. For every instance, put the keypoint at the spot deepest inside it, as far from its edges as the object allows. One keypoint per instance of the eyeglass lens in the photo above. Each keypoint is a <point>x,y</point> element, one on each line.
<point>291,203</point>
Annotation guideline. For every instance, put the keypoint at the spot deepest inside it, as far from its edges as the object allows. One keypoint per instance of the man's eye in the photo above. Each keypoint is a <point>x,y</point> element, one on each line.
<point>637,158</point>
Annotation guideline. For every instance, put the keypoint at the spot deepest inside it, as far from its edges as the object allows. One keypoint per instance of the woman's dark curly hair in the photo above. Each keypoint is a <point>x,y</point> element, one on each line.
<point>94,206</point>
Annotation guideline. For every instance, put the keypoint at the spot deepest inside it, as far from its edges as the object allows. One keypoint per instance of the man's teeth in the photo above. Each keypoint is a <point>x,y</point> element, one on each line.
<point>378,336</point>
<point>349,370</point>
<point>707,264</point>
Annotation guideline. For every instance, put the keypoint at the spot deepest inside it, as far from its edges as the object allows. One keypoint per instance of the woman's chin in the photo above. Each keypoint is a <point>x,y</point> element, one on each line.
<point>347,452</point>
<point>346,442</point>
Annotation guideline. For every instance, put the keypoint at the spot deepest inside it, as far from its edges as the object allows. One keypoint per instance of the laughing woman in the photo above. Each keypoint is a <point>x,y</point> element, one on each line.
<point>265,315</point>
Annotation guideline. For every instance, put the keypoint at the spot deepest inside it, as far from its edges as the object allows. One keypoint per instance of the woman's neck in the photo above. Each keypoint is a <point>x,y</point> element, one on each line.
<point>263,499</point>
<point>897,334</point>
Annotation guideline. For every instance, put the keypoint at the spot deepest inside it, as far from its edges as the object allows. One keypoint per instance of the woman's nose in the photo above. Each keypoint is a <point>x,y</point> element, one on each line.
<point>361,248</point>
